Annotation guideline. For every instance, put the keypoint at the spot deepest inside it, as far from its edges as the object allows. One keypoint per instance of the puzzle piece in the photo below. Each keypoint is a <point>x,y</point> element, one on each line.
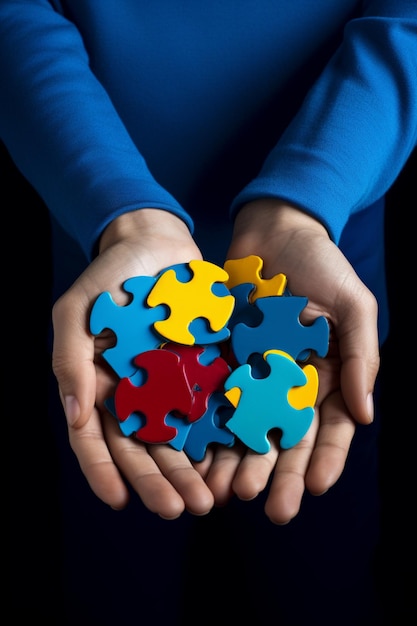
<point>133,324</point>
<point>210,428</point>
<point>298,397</point>
<point>131,424</point>
<point>182,426</point>
<point>164,391</point>
<point>262,403</point>
<point>281,329</point>
<point>135,421</point>
<point>205,356</point>
<point>199,297</point>
<point>305,395</point>
<point>243,310</point>
<point>248,270</point>
<point>203,380</point>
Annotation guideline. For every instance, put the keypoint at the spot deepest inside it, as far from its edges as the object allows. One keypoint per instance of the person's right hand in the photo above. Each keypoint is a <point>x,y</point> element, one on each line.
<point>293,243</point>
<point>140,243</point>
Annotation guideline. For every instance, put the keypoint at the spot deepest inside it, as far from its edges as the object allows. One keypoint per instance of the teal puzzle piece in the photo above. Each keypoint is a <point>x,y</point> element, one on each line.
<point>263,404</point>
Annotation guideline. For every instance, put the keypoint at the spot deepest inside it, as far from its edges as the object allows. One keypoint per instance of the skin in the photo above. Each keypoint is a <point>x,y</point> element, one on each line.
<point>289,241</point>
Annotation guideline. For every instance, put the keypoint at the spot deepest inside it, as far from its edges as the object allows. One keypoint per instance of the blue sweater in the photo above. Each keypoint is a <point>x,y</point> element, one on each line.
<point>196,108</point>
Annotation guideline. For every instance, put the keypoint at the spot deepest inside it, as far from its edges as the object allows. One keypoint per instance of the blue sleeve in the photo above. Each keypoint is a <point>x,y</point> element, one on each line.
<point>356,127</point>
<point>77,162</point>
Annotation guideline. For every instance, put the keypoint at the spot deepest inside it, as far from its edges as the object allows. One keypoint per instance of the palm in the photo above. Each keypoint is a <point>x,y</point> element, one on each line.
<point>315,268</point>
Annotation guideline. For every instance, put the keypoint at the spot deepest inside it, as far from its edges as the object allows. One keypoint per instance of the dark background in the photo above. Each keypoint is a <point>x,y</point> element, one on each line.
<point>35,515</point>
<point>397,558</point>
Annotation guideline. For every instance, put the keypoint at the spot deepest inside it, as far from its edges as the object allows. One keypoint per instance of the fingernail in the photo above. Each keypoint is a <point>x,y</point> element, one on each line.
<point>72,409</point>
<point>370,406</point>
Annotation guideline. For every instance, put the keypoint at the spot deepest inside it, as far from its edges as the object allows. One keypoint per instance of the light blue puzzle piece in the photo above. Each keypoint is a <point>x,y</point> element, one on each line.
<point>132,324</point>
<point>183,428</point>
<point>131,425</point>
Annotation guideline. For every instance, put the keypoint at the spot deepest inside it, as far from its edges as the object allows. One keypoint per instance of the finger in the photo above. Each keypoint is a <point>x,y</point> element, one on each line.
<point>222,471</point>
<point>288,482</point>
<point>73,360</point>
<point>255,469</point>
<point>359,352</point>
<point>179,471</point>
<point>357,382</point>
<point>334,438</point>
<point>96,463</point>
<point>163,478</point>
<point>203,466</point>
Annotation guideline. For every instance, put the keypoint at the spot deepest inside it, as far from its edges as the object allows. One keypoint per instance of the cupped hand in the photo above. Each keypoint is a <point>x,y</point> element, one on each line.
<point>140,243</point>
<point>291,242</point>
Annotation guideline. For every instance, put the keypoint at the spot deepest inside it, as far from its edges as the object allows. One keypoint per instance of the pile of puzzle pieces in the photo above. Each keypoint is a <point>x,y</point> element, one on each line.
<point>206,354</point>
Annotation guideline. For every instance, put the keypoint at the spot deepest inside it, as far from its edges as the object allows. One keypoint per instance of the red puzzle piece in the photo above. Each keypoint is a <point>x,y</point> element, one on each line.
<point>202,379</point>
<point>165,390</point>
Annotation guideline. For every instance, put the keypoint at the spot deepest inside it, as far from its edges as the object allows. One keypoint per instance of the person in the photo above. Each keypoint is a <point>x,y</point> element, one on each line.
<point>158,133</point>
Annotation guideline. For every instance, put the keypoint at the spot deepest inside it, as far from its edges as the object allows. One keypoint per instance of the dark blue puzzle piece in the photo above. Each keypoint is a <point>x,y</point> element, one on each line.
<point>210,353</point>
<point>244,310</point>
<point>280,329</point>
<point>210,428</point>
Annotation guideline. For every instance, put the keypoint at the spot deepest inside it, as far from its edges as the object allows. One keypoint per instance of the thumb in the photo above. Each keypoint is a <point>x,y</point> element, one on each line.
<point>359,349</point>
<point>358,381</point>
<point>73,360</point>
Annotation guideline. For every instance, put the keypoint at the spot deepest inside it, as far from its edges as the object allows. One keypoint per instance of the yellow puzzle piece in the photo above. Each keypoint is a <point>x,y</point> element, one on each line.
<point>248,270</point>
<point>191,300</point>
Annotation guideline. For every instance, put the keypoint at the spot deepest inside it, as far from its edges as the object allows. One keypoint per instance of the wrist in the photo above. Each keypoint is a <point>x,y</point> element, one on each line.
<point>150,221</point>
<point>269,216</point>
